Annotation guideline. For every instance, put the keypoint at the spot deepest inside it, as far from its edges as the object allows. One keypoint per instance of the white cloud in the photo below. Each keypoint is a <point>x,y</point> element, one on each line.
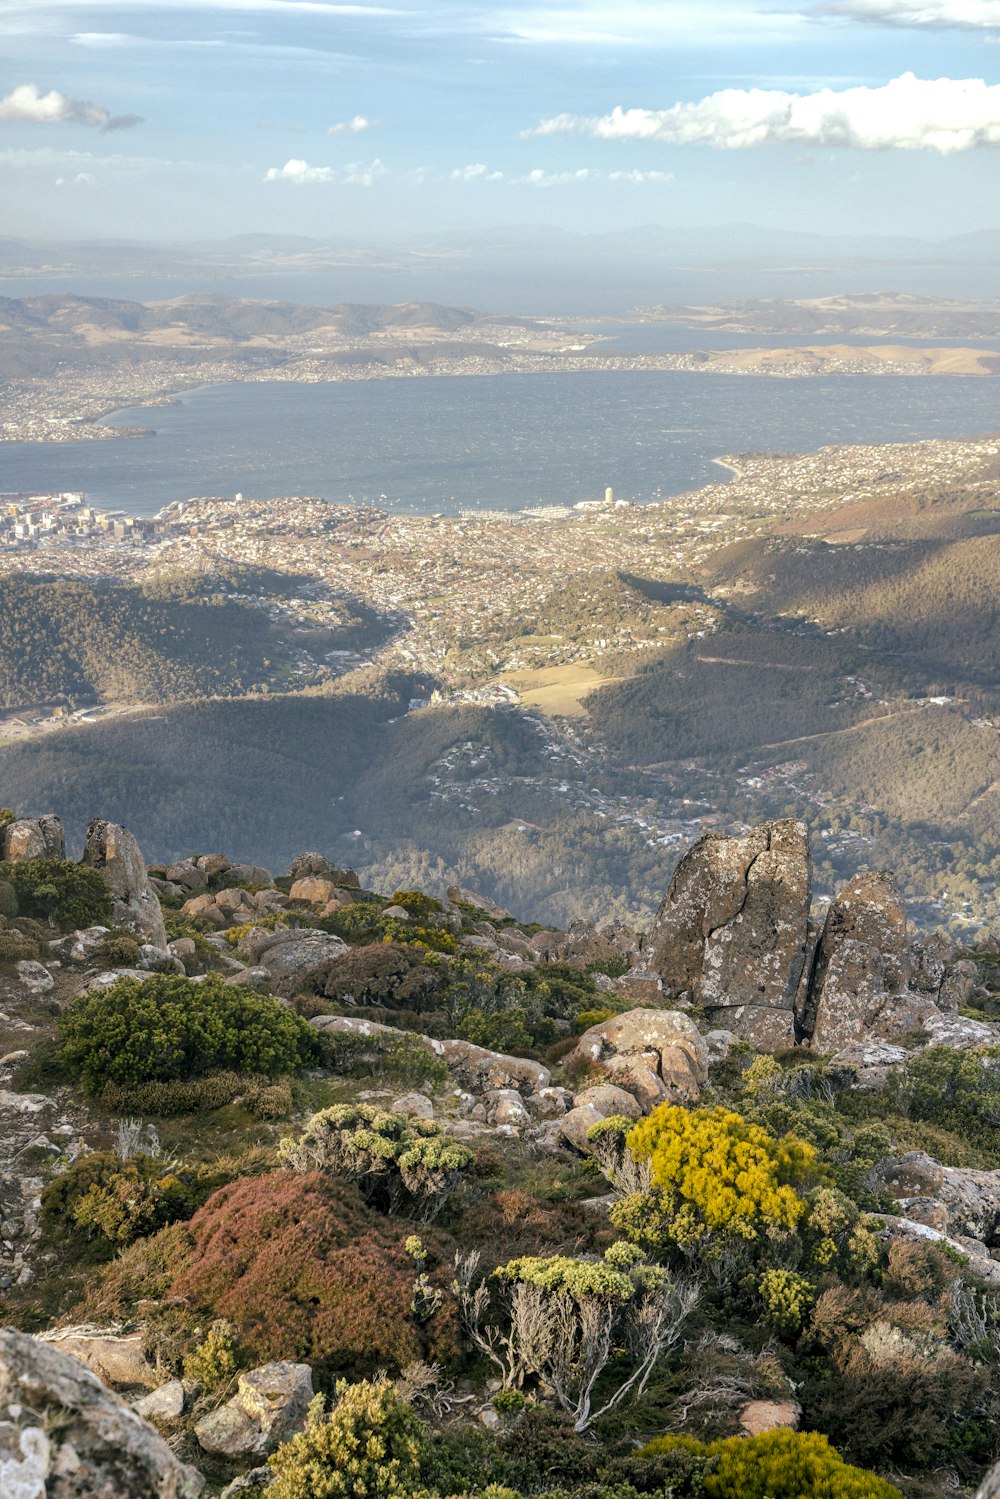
<point>477,172</point>
<point>359,176</point>
<point>908,113</point>
<point>636,22</point>
<point>82,179</point>
<point>638,178</point>
<point>27,104</point>
<point>353,175</point>
<point>964,15</point>
<point>540,178</point>
<point>298,171</point>
<point>353,126</point>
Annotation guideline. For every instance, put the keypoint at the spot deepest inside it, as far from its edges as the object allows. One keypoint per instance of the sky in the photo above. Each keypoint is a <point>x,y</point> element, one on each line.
<point>195,119</point>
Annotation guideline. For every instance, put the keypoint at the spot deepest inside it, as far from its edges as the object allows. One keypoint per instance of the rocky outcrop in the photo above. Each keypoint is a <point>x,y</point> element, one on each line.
<point>113,850</point>
<point>860,978</point>
<point>958,1202</point>
<point>731,932</point>
<point>460,897</point>
<point>63,1435</point>
<point>269,1406</point>
<point>654,1055</point>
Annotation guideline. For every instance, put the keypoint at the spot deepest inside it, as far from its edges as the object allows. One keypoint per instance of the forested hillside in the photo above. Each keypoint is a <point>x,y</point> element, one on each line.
<point>166,639</point>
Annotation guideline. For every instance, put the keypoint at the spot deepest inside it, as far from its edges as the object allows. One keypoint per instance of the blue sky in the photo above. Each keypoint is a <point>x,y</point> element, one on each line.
<point>198,118</point>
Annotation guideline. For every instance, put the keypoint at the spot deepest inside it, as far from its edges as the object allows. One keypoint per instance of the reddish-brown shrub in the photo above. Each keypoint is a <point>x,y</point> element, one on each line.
<point>512,1222</point>
<point>306,1271</point>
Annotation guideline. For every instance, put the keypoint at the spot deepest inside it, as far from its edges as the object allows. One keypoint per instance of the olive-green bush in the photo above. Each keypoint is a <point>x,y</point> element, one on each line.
<point>371,1446</point>
<point>779,1465</point>
<point>57,890</point>
<point>168,1028</point>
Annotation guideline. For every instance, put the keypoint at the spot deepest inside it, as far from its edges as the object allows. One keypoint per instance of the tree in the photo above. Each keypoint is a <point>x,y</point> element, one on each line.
<point>562,1320</point>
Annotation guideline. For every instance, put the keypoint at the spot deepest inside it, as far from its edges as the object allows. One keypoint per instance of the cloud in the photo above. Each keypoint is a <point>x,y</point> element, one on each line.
<point>938,15</point>
<point>635,22</point>
<point>540,178</point>
<point>353,175</point>
<point>639,178</point>
<point>82,179</point>
<point>477,172</point>
<point>353,126</point>
<point>944,115</point>
<point>298,171</point>
<point>28,105</point>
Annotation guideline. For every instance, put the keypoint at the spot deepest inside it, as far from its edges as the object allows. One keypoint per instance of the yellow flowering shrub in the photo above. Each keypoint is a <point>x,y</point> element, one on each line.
<point>714,1175</point>
<point>787,1298</point>
<point>778,1465</point>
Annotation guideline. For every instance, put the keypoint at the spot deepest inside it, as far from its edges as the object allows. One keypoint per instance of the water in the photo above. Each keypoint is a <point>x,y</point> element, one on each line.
<point>500,442</point>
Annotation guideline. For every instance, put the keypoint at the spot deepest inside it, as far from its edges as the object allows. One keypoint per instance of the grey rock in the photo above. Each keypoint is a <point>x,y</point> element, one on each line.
<point>33,976</point>
<point>292,952</point>
<point>249,1484</point>
<point>472,898</point>
<point>860,978</point>
<point>957,987</point>
<point>113,850</point>
<point>164,1404</point>
<point>54,834</point>
<point>504,1106</point>
<point>23,840</point>
<point>665,1043</point>
<point>956,1201</point>
<point>81,1439</point>
<point>731,932</point>
<point>270,1405</point>
<point>719,1043</point>
<point>413,1106</point>
<point>573,1128</point>
<point>549,1103</point>
<point>188,874</point>
<point>116,1357</point>
<point>608,1099</point>
<point>475,1066</point>
<point>212,864</point>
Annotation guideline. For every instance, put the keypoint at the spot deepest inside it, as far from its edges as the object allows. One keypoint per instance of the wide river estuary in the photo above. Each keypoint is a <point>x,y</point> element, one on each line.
<point>442,443</point>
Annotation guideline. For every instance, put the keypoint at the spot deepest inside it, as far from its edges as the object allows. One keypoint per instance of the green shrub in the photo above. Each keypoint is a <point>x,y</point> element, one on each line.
<point>214,1362</point>
<point>168,1028</point>
<point>786,1298</point>
<point>371,1446</point>
<point>71,895</point>
<point>401,1165</point>
<point>15,947</point>
<point>778,1465</point>
<point>8,899</point>
<point>118,950</point>
<point>119,1201</point>
<point>7,817</point>
<point>417,903</point>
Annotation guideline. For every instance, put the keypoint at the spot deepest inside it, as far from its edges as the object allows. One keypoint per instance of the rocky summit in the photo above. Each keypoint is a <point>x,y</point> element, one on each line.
<point>293,1169</point>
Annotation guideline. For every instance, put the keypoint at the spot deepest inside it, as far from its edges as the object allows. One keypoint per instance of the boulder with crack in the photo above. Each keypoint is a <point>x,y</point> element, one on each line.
<point>731,932</point>
<point>656,1055</point>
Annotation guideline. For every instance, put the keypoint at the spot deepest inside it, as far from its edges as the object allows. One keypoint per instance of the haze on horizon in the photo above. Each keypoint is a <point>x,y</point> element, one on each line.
<point>193,119</point>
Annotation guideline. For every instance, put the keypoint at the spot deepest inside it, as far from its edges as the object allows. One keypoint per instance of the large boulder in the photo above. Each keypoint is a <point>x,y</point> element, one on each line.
<point>288,951</point>
<point>860,978</point>
<point>113,850</point>
<point>655,1055</point>
<point>63,1435</point>
<point>23,840</point>
<point>732,930</point>
<point>957,1201</point>
<point>269,1406</point>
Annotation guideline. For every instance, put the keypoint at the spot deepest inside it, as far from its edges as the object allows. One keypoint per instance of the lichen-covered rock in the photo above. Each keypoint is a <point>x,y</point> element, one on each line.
<point>769,1415</point>
<point>187,873</point>
<point>472,898</point>
<point>289,950</point>
<point>574,1126</point>
<point>113,850</point>
<point>954,1200</point>
<point>61,1429</point>
<point>269,1406</point>
<point>859,985</point>
<point>731,932</point>
<point>664,1043</point>
<point>249,874</point>
<point>609,1099</point>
